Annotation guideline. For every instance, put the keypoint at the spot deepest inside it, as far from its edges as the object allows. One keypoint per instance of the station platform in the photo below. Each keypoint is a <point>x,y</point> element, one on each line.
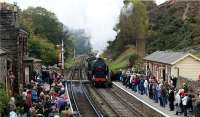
<point>148,102</point>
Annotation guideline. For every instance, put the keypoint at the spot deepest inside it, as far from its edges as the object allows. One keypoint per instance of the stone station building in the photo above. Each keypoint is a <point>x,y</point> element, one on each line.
<point>14,40</point>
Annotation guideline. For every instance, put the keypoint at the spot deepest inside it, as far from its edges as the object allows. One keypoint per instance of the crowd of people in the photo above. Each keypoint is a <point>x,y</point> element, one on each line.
<point>162,92</point>
<point>44,97</point>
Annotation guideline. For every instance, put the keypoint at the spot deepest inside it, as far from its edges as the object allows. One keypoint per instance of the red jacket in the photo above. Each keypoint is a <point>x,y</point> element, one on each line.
<point>29,100</point>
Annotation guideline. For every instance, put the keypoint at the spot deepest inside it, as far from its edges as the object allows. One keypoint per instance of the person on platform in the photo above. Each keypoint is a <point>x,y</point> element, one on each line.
<point>156,92</point>
<point>12,106</point>
<point>142,85</point>
<point>146,89</point>
<point>184,102</point>
<point>163,95</point>
<point>171,99</point>
<point>178,102</point>
<point>189,105</point>
<point>13,114</point>
<point>34,94</point>
<point>134,84</point>
<point>159,96</point>
<point>151,95</point>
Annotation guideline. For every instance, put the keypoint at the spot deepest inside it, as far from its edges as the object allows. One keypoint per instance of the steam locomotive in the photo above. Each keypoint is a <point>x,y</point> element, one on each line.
<point>98,72</point>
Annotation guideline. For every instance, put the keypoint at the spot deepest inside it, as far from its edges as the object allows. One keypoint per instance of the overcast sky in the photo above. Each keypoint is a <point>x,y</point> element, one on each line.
<point>97,17</point>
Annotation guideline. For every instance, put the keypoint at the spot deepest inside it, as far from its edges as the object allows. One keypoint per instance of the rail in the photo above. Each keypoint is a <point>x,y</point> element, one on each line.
<point>73,97</point>
<point>99,114</point>
<point>67,93</point>
<point>76,108</point>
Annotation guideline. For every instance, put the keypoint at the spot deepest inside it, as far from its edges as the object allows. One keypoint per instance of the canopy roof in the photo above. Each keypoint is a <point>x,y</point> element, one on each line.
<point>168,57</point>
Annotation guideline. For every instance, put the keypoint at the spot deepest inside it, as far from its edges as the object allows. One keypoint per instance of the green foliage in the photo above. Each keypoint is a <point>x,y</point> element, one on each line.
<point>42,22</point>
<point>133,59</point>
<point>140,19</point>
<point>19,104</point>
<point>45,33</point>
<point>69,62</point>
<point>43,49</point>
<point>19,100</point>
<point>20,109</point>
<point>122,60</point>
<point>170,33</point>
<point>4,98</point>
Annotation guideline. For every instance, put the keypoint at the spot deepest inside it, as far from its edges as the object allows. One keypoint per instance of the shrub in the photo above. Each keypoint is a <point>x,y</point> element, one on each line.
<point>4,98</point>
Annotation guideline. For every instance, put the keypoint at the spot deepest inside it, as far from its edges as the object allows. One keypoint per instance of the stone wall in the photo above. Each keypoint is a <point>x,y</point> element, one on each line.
<point>194,86</point>
<point>8,31</point>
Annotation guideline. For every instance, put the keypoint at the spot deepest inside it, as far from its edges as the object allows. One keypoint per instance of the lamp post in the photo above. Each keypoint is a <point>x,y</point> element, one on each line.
<point>62,56</point>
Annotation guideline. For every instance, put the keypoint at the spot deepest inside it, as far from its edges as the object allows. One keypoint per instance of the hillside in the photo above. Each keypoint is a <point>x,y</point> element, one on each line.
<point>122,60</point>
<point>174,25</point>
<point>177,8</point>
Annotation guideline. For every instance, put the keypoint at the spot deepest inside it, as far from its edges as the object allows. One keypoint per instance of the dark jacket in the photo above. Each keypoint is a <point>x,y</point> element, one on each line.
<point>171,97</point>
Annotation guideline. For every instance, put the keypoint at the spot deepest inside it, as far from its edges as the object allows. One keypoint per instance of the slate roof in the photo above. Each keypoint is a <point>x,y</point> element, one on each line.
<point>167,57</point>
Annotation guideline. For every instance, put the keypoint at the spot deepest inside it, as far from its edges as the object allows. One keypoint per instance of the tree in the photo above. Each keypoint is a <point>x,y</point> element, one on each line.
<point>43,49</point>
<point>131,29</point>
<point>135,24</point>
<point>39,21</point>
<point>133,59</point>
<point>45,32</point>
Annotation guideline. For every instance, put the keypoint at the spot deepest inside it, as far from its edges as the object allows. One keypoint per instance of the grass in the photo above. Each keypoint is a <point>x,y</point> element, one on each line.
<point>122,60</point>
<point>197,53</point>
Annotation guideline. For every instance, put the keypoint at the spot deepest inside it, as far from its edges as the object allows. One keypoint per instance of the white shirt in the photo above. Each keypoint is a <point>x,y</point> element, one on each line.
<point>177,99</point>
<point>46,87</point>
<point>184,100</point>
<point>131,78</point>
<point>13,114</point>
<point>24,94</point>
<point>145,83</point>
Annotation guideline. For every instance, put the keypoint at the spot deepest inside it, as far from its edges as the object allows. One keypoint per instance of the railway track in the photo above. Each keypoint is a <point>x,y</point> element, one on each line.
<point>99,102</point>
<point>126,98</point>
<point>80,101</point>
<point>121,107</point>
<point>113,103</point>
